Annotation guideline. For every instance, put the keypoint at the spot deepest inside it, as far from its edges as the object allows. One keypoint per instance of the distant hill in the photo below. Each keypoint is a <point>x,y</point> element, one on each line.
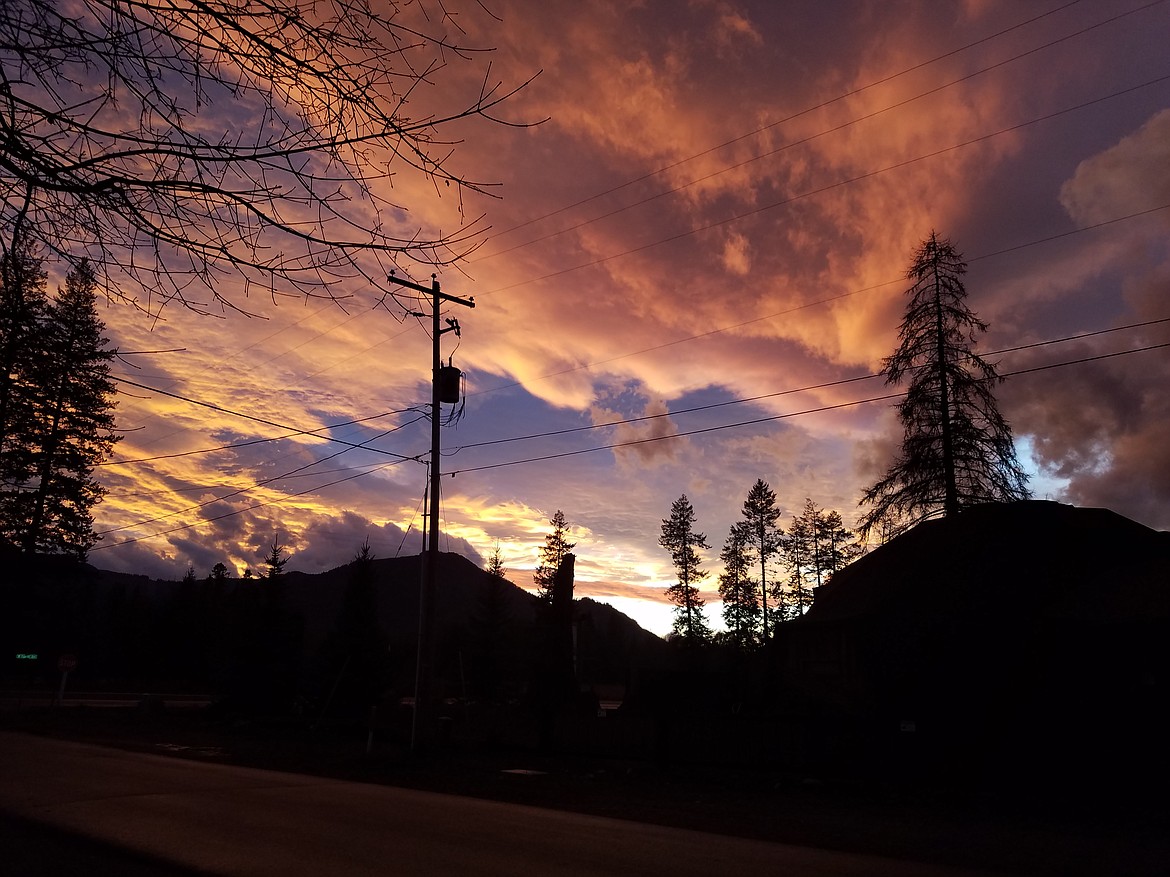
<point>460,588</point>
<point>138,631</point>
<point>1026,639</point>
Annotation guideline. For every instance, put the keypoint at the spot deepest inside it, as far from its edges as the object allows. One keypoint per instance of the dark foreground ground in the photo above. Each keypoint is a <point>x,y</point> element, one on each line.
<point>1023,834</point>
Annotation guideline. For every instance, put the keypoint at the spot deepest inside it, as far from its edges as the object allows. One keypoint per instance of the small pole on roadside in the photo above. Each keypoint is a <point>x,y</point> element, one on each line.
<point>65,663</point>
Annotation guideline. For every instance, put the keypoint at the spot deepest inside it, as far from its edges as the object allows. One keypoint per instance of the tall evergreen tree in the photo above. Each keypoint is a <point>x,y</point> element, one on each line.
<point>556,546</point>
<point>741,603</point>
<point>682,540</point>
<point>71,430</point>
<point>957,449</point>
<point>763,537</point>
<point>23,305</point>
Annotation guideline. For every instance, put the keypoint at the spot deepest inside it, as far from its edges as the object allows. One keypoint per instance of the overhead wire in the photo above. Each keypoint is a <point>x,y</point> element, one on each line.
<point>263,483</point>
<point>821,301</point>
<point>776,417</point>
<point>653,439</point>
<point>792,117</point>
<point>401,458</point>
<point>249,442</point>
<point>221,409</point>
<point>806,389</point>
<point>234,512</point>
<point>810,138</point>
<point>828,187</point>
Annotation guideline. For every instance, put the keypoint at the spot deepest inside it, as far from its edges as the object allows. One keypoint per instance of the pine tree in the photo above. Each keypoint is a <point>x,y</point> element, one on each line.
<point>23,305</point>
<point>274,560</point>
<point>680,538</point>
<point>71,431</point>
<point>957,449</point>
<point>800,555</point>
<point>836,546</point>
<point>763,537</point>
<point>556,546</point>
<point>495,566</point>
<point>741,603</point>
<point>817,545</point>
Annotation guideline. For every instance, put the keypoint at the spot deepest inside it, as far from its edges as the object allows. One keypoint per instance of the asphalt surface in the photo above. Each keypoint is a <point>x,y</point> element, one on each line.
<point>76,806</point>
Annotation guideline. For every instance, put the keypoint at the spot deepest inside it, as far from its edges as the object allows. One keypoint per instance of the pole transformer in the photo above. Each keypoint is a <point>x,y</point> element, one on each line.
<point>424,690</point>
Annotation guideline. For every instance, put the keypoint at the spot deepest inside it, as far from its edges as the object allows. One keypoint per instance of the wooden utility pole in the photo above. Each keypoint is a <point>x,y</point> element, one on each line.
<point>424,689</point>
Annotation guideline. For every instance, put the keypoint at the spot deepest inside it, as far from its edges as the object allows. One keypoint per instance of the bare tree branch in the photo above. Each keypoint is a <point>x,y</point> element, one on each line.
<point>182,143</point>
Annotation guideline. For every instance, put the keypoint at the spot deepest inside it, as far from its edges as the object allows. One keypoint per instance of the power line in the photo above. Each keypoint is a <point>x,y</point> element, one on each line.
<point>821,301</point>
<point>785,416</point>
<point>778,393</point>
<point>823,105</point>
<point>810,138</point>
<point>263,483</point>
<point>235,512</point>
<point>652,439</point>
<point>242,488</point>
<point>188,380</point>
<point>262,420</point>
<point>828,187</point>
<point>258,441</point>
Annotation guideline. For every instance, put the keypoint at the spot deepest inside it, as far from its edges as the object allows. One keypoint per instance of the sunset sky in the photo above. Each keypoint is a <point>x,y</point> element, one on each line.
<point>705,243</point>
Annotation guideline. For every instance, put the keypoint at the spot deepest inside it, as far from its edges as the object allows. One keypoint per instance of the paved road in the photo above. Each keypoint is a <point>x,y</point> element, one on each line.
<point>223,820</point>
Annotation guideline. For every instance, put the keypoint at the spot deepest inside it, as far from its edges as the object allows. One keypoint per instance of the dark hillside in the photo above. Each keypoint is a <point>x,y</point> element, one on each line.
<point>347,635</point>
<point>1014,643</point>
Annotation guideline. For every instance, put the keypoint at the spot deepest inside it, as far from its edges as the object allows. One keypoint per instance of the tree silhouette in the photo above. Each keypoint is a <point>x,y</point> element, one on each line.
<point>763,537</point>
<point>800,555</point>
<point>741,602</point>
<point>176,143</point>
<point>680,538</point>
<point>274,560</point>
<point>836,545</point>
<point>956,449</point>
<point>495,566</point>
<point>23,306</point>
<point>817,545</point>
<point>556,546</point>
<point>59,415</point>
<point>76,420</point>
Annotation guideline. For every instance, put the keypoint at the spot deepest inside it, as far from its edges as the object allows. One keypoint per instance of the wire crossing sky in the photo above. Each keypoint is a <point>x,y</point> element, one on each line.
<point>685,277</point>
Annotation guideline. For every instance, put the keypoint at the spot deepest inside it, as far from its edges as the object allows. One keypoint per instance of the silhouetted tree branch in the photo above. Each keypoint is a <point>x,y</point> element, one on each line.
<point>176,143</point>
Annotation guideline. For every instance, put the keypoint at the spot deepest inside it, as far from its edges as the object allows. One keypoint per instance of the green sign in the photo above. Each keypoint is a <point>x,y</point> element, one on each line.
<point>26,656</point>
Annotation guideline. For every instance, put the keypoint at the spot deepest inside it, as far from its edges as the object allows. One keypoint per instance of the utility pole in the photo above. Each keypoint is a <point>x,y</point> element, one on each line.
<point>424,694</point>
